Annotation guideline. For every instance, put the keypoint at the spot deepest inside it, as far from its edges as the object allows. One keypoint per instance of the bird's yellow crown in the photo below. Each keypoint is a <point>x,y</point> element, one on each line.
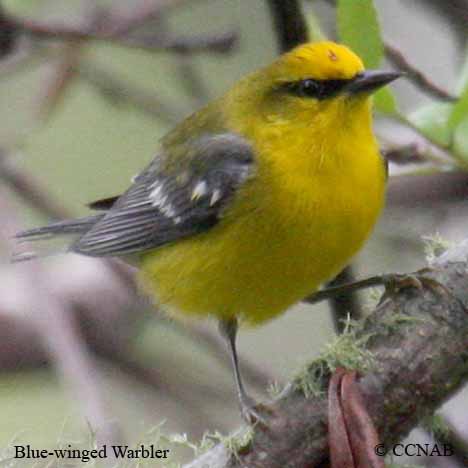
<point>320,60</point>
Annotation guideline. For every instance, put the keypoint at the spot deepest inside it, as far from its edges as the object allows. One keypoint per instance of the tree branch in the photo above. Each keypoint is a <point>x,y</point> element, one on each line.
<point>416,76</point>
<point>58,332</point>
<point>120,91</point>
<point>417,340</point>
<point>8,35</point>
<point>111,27</point>
<point>289,22</point>
<point>28,188</point>
<point>426,189</point>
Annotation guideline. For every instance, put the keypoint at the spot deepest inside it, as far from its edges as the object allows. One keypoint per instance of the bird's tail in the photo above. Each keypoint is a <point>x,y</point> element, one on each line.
<point>73,228</point>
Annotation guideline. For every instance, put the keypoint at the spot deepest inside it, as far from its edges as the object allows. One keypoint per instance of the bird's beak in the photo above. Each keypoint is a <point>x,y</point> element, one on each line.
<point>370,81</point>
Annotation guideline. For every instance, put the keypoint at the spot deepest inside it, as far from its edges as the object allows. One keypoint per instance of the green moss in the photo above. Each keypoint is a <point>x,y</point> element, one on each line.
<point>274,389</point>
<point>404,465</point>
<point>240,440</point>
<point>372,299</point>
<point>434,246</point>
<point>234,443</point>
<point>347,350</point>
<point>436,425</point>
<point>394,321</point>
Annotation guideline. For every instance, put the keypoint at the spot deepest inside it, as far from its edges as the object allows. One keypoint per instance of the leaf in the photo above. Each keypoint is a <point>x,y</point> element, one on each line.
<point>385,102</point>
<point>352,435</point>
<point>463,78</point>
<point>432,121</point>
<point>460,142</point>
<point>358,27</point>
<point>460,110</point>
<point>314,27</point>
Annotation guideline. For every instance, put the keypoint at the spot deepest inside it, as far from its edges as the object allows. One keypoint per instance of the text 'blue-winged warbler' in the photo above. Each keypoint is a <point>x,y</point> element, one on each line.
<point>255,200</point>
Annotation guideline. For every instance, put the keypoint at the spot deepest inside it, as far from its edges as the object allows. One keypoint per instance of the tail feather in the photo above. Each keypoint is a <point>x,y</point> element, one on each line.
<point>71,227</point>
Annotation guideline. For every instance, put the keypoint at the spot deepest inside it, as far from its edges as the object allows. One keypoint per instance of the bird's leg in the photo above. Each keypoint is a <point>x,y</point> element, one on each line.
<point>228,329</point>
<point>347,288</point>
<point>391,282</point>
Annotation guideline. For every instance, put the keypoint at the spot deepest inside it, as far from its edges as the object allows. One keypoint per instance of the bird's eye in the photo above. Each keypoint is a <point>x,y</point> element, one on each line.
<point>317,89</point>
<point>310,88</point>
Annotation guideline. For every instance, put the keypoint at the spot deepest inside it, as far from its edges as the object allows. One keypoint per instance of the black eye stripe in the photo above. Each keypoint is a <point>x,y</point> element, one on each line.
<point>317,89</point>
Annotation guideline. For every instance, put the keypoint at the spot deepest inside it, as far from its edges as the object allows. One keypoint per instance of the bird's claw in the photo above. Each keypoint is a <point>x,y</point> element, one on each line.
<point>250,412</point>
<point>396,282</point>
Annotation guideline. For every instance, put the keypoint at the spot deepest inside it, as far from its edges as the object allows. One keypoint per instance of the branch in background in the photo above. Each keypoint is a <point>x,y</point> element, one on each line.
<point>120,23</point>
<point>416,76</point>
<point>8,35</point>
<point>115,26</point>
<point>55,325</point>
<point>416,341</point>
<point>426,189</point>
<point>24,55</point>
<point>191,81</point>
<point>63,76</point>
<point>411,153</point>
<point>101,29</point>
<point>289,23</point>
<point>189,77</point>
<point>220,43</point>
<point>64,67</point>
<point>28,188</point>
<point>120,91</point>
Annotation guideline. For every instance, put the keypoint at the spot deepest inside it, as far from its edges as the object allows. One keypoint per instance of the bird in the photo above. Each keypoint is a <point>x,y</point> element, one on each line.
<point>252,202</point>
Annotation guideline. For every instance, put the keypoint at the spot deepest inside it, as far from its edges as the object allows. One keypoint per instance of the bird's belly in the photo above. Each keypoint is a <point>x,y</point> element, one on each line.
<point>260,263</point>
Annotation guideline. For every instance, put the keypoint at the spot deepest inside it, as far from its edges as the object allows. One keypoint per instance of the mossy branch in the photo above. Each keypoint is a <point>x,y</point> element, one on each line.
<point>417,340</point>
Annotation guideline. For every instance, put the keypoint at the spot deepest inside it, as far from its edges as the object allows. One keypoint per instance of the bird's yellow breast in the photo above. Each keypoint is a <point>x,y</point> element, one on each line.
<point>307,210</point>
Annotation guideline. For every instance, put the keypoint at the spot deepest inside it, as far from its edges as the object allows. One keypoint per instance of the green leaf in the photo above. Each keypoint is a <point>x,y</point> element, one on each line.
<point>460,142</point>
<point>385,102</point>
<point>313,25</point>
<point>358,27</point>
<point>432,121</point>
<point>463,78</point>
<point>460,110</point>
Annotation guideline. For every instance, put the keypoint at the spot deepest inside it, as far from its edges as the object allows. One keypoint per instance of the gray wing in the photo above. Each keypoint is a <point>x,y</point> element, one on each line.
<point>183,192</point>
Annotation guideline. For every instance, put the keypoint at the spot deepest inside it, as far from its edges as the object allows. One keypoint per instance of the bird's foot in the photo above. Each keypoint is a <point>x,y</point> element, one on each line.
<point>396,282</point>
<point>251,411</point>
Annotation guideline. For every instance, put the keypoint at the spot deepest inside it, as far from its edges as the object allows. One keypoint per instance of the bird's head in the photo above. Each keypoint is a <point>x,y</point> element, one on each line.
<point>314,81</point>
